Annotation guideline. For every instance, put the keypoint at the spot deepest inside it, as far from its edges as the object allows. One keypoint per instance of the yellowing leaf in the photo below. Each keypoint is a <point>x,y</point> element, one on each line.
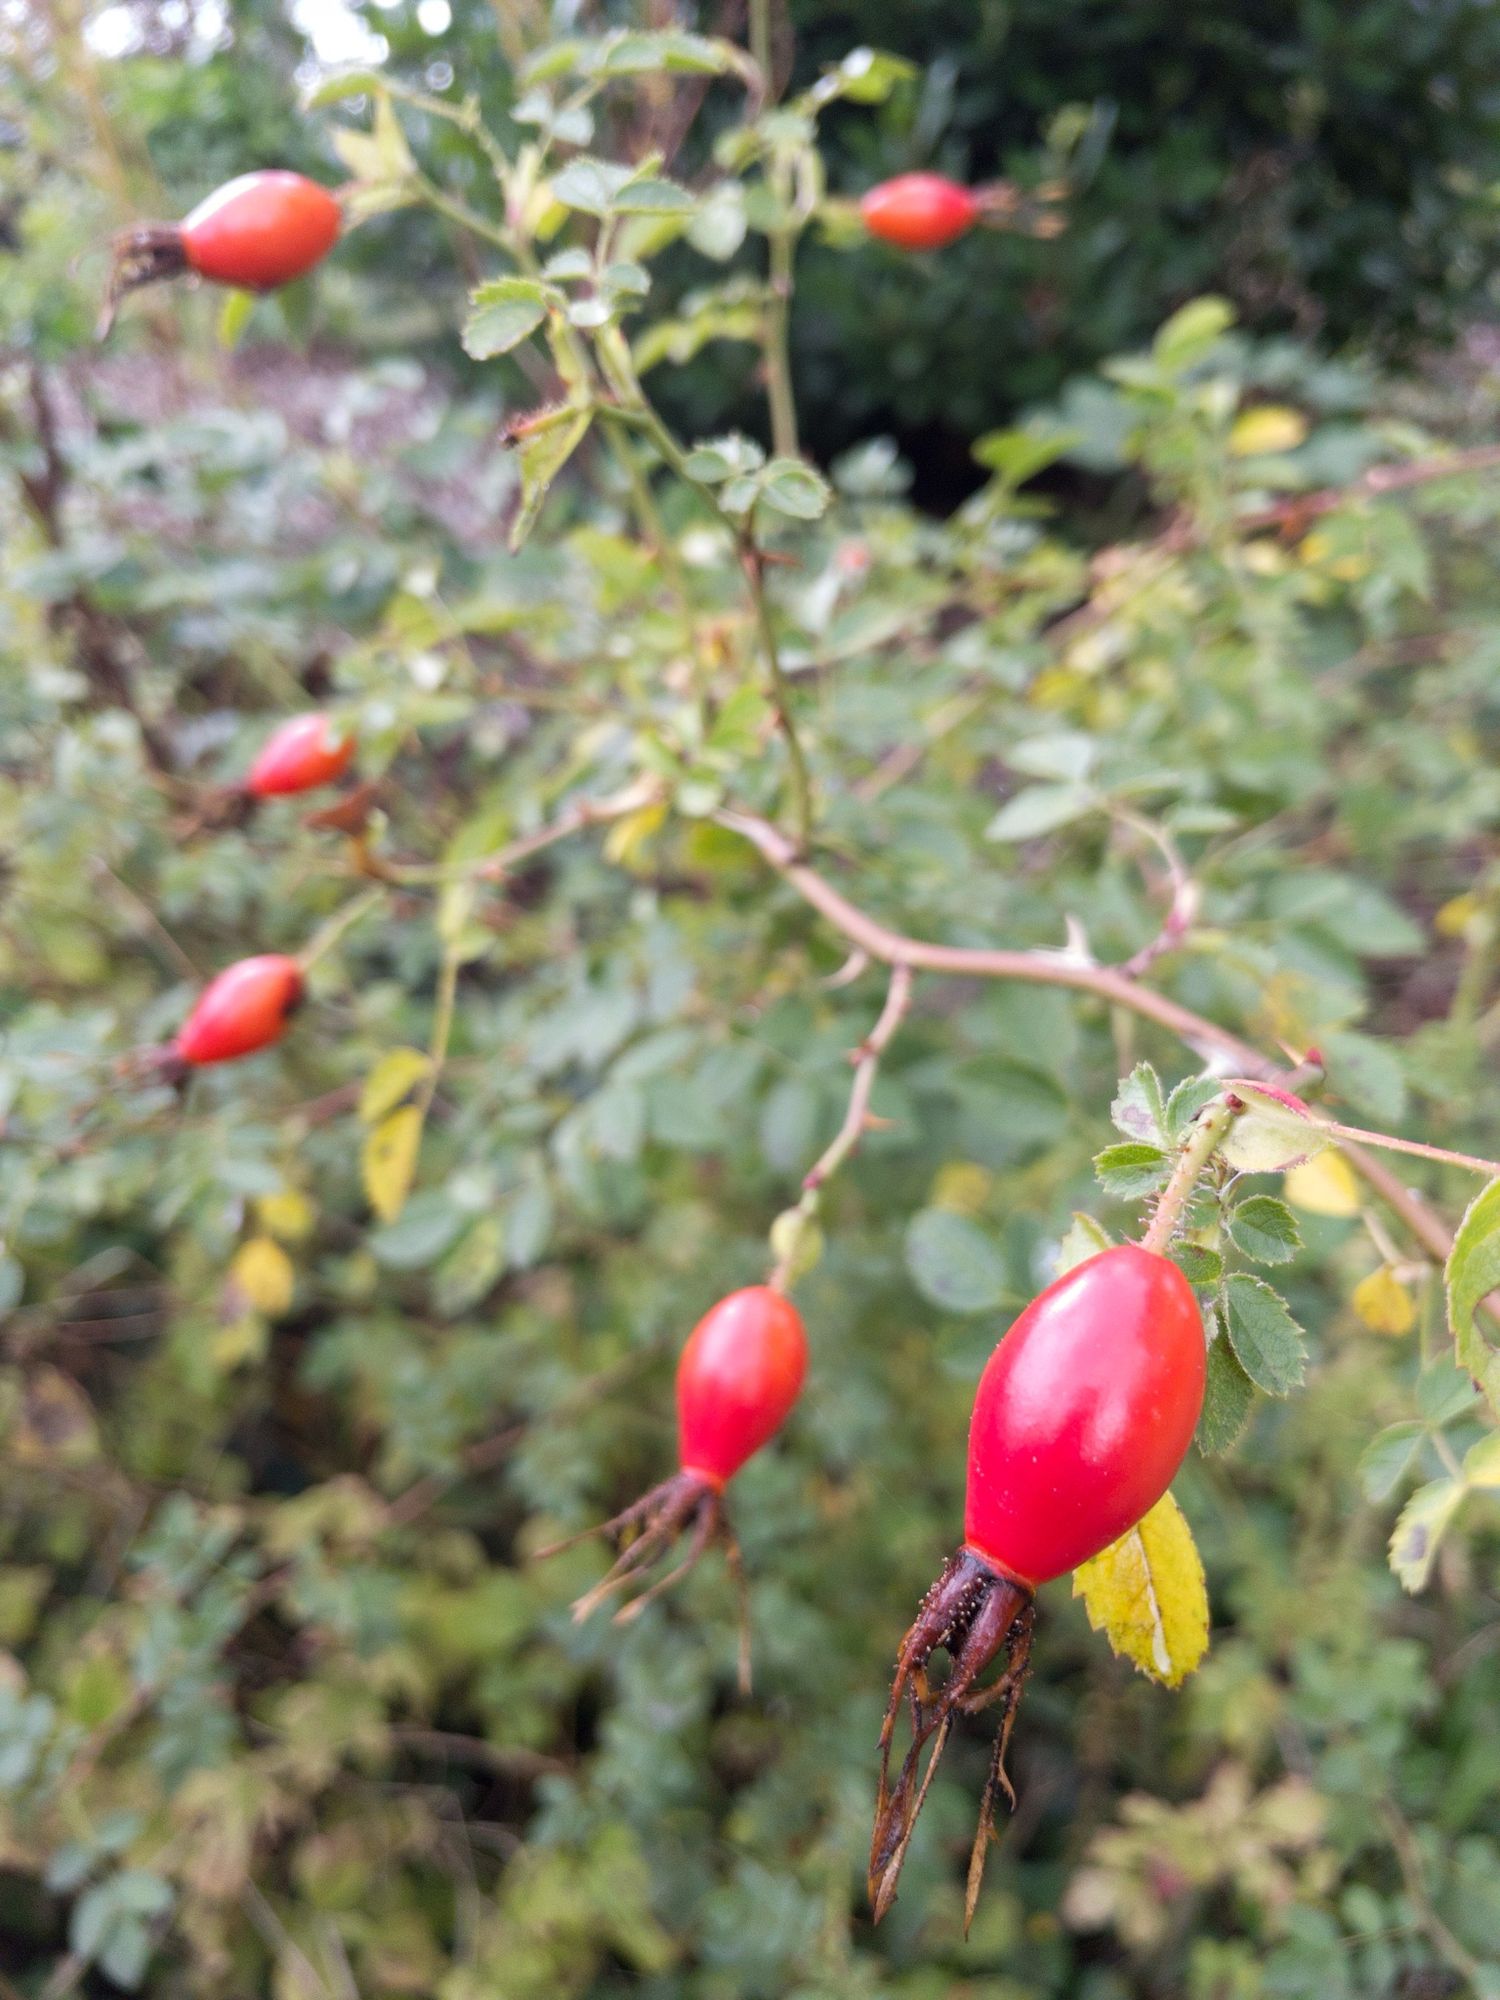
<point>264,1273</point>
<point>1384,1303</point>
<point>1273,427</point>
<point>962,1186</point>
<point>1456,915</point>
<point>1265,558</point>
<point>389,1159</point>
<point>1324,1186</point>
<point>233,314</point>
<point>1147,1595</point>
<point>287,1214</point>
<point>628,839</point>
<point>392,1077</point>
<point>239,1344</point>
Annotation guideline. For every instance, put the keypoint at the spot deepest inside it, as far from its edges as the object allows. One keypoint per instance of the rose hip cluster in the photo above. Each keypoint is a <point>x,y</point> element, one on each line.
<point>1085,1409</point>
<point>247,1007</point>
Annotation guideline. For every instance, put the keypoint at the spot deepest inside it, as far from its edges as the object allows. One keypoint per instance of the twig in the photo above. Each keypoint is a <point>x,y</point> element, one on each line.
<point>754,568</point>
<point>866,1060</point>
<point>1043,968</point>
<point>1037,968</point>
<point>1414,1876</point>
<point>1182,907</point>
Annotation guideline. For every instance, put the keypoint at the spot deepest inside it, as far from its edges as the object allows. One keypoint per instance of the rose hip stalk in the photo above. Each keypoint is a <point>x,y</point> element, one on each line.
<point>737,1379</point>
<point>1082,1416</point>
<point>258,232</point>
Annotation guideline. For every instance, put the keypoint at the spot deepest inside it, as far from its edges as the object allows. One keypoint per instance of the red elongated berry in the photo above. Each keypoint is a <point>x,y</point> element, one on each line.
<point>258,231</point>
<point>261,230</point>
<point>737,1379</point>
<point>1082,1416</point>
<point>308,751</point>
<point>245,1008</point>
<point>919,211</point>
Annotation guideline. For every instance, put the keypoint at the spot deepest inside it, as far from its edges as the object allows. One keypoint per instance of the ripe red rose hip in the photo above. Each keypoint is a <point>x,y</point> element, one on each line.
<point>1082,1416</point>
<point>245,1008</point>
<point>919,211</point>
<point>308,751</point>
<point>737,1380</point>
<point>259,231</point>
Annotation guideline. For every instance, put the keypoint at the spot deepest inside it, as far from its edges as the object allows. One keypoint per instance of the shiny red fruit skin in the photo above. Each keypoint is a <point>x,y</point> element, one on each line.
<point>738,1378</point>
<point>309,750</point>
<point>246,1008</point>
<point>261,230</point>
<point>1083,1414</point>
<point>919,211</point>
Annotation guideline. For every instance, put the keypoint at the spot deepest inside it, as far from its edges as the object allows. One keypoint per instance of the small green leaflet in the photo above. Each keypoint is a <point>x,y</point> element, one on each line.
<point>544,449</point>
<point>1387,1458</point>
<point>1139,1110</point>
<point>1473,1272</point>
<point>1419,1529</point>
<point>1265,1229</point>
<point>503,313</point>
<point>1266,1339</point>
<point>1227,1399</point>
<point>1130,1170</point>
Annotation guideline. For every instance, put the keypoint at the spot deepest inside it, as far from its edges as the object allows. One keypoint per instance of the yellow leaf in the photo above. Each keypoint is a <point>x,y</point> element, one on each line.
<point>1147,1595</point>
<point>1265,558</point>
<point>288,1214</point>
<point>389,1159</point>
<point>389,1081</point>
<point>239,1344</point>
<point>628,839</point>
<point>1323,1186</point>
<point>234,312</point>
<point>1456,915</point>
<point>263,1272</point>
<point>1384,1303</point>
<point>962,1186</point>
<point>1272,427</point>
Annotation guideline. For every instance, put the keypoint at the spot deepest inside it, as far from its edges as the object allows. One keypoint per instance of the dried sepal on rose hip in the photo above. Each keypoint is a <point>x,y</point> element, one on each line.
<point>300,755</point>
<point>247,1007</point>
<point>737,1380</point>
<point>257,232</point>
<point>920,211</point>
<point>1082,1416</point>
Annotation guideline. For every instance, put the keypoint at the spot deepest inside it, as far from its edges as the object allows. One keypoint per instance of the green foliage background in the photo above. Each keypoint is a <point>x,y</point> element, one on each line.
<point>284,1707</point>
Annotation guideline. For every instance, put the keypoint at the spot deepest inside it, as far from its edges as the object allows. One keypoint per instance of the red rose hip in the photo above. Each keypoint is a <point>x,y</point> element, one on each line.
<point>258,232</point>
<point>245,1008</point>
<point>737,1380</point>
<point>1082,1416</point>
<point>919,211</point>
<point>261,230</point>
<point>308,751</point>
<point>740,1373</point>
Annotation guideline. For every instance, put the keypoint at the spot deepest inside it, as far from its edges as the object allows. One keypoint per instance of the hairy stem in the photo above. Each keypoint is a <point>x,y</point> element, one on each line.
<point>1209,1128</point>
